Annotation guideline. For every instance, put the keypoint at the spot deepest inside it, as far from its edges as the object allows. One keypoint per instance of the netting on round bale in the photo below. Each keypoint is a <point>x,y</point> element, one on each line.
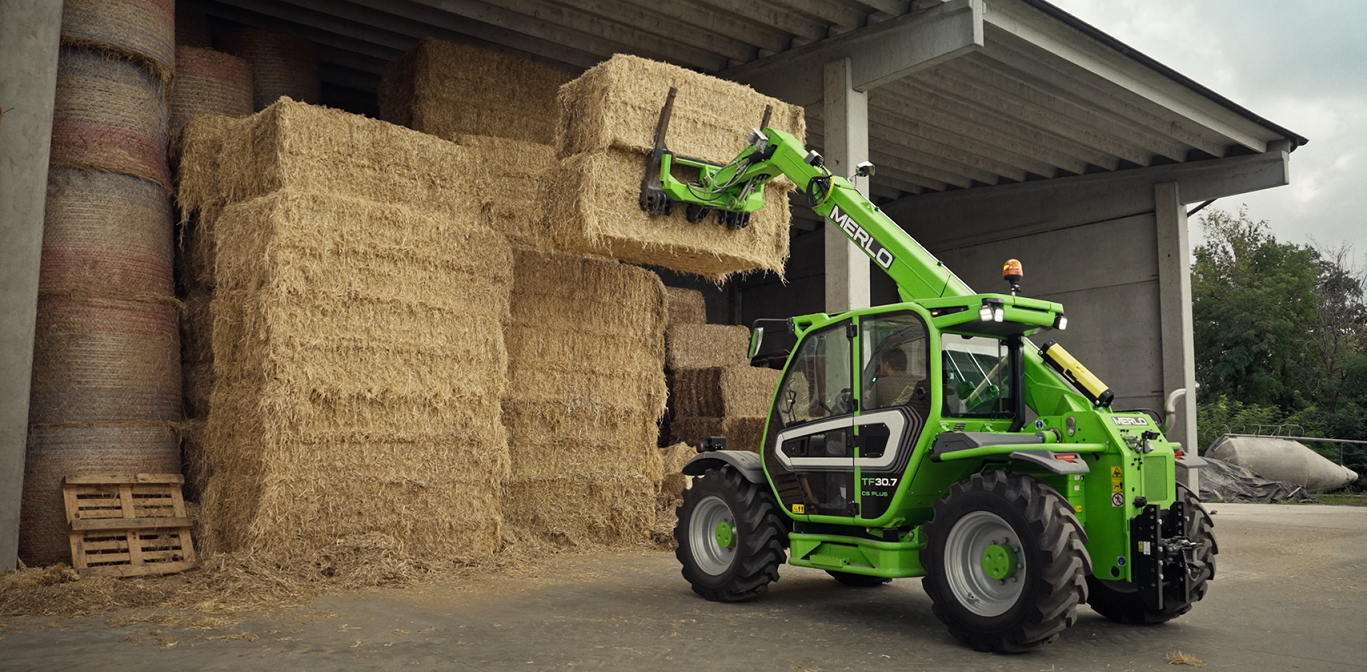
<point>209,82</point>
<point>586,387</point>
<point>105,233</point>
<point>143,31</point>
<point>99,359</point>
<point>283,65</point>
<point>449,90</point>
<point>192,28</point>
<point>109,115</point>
<point>359,356</point>
<point>57,451</point>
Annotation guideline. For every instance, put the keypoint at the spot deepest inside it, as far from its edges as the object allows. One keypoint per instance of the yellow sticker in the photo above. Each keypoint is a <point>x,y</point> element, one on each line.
<point>1078,508</point>
<point>1117,472</point>
<point>1117,485</point>
<point>799,508</point>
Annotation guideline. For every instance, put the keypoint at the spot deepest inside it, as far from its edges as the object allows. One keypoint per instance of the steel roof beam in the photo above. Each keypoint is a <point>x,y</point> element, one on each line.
<point>667,25</point>
<point>829,12</point>
<point>965,117</point>
<point>711,19</point>
<point>762,14</point>
<point>319,36</point>
<point>990,86</point>
<point>879,53</point>
<point>432,22</point>
<point>327,22</point>
<point>1077,57</point>
<point>579,30</point>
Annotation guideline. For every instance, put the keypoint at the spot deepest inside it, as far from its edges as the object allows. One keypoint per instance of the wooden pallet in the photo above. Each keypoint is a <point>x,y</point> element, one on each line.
<point>128,525</point>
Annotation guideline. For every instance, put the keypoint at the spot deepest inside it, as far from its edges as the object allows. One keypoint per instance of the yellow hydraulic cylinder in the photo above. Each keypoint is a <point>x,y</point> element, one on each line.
<point>1077,374</point>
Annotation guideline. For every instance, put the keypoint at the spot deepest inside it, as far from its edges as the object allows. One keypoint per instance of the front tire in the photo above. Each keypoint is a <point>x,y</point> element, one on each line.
<point>1006,562</point>
<point>1119,601</point>
<point>731,538</point>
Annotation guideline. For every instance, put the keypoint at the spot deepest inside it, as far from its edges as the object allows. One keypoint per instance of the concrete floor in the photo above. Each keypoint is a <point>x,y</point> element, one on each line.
<point>1290,595</point>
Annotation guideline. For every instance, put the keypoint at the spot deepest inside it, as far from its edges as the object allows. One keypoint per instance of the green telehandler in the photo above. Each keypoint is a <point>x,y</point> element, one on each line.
<point>931,438</point>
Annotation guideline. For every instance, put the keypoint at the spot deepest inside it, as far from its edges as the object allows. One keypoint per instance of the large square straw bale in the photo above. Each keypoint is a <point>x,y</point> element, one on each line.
<point>704,346</point>
<point>292,145</point>
<point>686,306</point>
<point>360,363</point>
<point>731,391</point>
<point>450,90</point>
<point>586,386</point>
<point>616,104</point>
<point>592,206</point>
<point>506,175</point>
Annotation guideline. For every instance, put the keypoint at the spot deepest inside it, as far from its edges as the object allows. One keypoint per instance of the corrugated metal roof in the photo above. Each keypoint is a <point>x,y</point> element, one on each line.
<point>1044,96</point>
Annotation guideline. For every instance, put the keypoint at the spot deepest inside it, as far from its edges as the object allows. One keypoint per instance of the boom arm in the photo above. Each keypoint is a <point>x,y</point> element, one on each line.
<point>737,188</point>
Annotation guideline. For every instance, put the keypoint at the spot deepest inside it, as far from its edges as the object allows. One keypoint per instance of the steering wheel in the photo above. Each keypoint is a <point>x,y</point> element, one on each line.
<point>844,403</point>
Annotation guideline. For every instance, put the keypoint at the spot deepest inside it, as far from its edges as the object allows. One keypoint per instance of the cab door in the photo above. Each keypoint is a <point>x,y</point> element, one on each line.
<point>895,397</point>
<point>809,450</point>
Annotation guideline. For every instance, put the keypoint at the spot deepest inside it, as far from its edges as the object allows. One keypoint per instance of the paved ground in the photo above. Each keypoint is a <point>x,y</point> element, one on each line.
<point>1290,595</point>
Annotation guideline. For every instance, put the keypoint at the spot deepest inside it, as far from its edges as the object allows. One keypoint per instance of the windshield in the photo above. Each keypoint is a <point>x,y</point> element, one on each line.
<point>977,375</point>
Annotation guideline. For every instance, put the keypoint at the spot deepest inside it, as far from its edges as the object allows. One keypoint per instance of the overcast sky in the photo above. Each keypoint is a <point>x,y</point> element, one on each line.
<point>1302,65</point>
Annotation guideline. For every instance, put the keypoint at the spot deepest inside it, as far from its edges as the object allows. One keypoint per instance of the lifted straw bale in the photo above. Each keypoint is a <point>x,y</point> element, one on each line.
<point>592,206</point>
<point>731,391</point>
<point>686,306</point>
<point>450,90</point>
<point>702,346</point>
<point>360,358</point>
<point>616,104</point>
<point>586,385</point>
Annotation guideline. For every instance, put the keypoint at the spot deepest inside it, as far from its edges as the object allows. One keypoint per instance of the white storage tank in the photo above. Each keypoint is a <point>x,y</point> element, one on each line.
<point>1280,459</point>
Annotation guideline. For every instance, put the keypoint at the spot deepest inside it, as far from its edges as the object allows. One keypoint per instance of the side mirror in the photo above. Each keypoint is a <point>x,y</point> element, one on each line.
<point>756,340</point>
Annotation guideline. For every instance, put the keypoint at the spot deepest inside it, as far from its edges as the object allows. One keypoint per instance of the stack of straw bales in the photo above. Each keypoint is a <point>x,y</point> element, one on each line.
<point>608,118</point>
<point>209,82</point>
<point>283,65</point>
<point>586,356</point>
<point>106,365</point>
<point>358,344</point>
<point>713,389</point>
<point>585,344</point>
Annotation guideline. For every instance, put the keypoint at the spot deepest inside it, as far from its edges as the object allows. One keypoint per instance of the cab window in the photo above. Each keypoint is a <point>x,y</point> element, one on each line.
<point>977,374</point>
<point>894,364</point>
<point>817,384</point>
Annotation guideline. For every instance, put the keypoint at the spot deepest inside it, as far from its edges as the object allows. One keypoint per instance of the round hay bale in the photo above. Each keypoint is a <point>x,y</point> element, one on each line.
<point>105,233</point>
<point>109,115</point>
<point>57,451</point>
<point>209,82</point>
<point>192,29</point>
<point>105,360</point>
<point>143,31</point>
<point>282,64</point>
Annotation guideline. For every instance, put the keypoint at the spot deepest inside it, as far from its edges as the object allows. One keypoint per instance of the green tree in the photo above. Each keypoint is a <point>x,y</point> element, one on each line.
<point>1253,306</point>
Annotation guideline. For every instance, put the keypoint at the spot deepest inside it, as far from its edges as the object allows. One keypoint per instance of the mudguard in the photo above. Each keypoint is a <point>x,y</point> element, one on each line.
<point>745,462</point>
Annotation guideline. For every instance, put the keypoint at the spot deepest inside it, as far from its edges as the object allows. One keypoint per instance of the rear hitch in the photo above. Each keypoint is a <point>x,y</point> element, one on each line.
<point>1164,555</point>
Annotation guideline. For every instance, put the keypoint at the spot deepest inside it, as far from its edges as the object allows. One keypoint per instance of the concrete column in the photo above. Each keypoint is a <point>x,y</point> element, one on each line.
<point>846,114</point>
<point>1174,295</point>
<point>29,34</point>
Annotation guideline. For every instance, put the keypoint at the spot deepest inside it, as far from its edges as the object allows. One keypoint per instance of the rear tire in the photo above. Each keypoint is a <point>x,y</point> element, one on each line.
<point>1119,601</point>
<point>1022,514</point>
<point>739,562</point>
<point>858,580</point>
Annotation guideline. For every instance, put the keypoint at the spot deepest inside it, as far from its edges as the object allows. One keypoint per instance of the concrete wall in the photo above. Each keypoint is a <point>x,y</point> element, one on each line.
<point>29,33</point>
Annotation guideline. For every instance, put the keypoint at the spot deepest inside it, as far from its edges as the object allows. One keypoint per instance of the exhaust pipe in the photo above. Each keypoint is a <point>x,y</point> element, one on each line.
<point>1170,409</point>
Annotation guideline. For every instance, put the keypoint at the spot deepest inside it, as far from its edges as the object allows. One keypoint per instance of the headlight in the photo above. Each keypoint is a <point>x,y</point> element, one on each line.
<point>998,314</point>
<point>985,313</point>
<point>1062,322</point>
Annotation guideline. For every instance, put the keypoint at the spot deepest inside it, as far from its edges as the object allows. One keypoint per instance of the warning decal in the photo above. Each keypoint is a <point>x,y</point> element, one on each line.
<point>1117,499</point>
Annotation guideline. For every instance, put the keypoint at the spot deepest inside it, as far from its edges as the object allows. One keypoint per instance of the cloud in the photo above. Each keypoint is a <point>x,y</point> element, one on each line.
<point>1300,65</point>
